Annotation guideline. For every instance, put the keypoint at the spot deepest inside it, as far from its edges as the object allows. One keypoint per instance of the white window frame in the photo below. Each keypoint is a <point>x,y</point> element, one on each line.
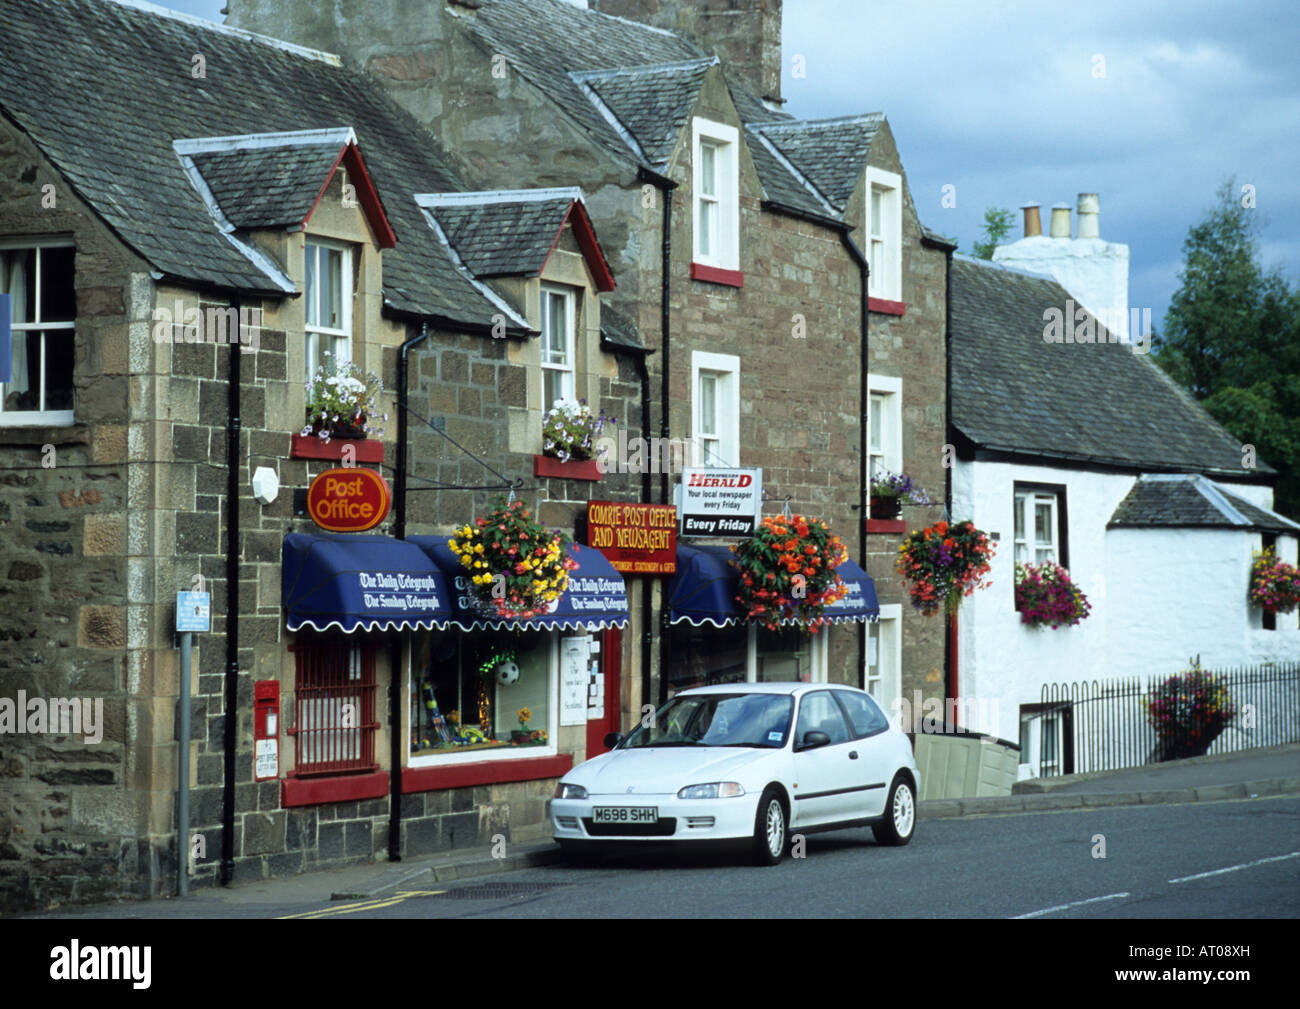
<point>1027,501</point>
<point>816,651</point>
<point>38,418</point>
<point>725,202</point>
<point>723,447</point>
<point>886,685</point>
<point>340,339</point>
<point>885,237</point>
<point>568,373</point>
<point>889,455</point>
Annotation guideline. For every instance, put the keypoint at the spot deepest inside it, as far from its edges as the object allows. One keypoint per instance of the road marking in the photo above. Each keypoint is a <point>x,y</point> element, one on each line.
<point>364,905</point>
<point>1234,868</point>
<point>1066,907</point>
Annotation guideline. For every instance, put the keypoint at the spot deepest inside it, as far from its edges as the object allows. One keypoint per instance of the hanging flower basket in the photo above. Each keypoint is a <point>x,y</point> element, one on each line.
<point>787,572</point>
<point>1188,711</point>
<point>518,568</point>
<point>1045,596</point>
<point>944,563</point>
<point>1274,584</point>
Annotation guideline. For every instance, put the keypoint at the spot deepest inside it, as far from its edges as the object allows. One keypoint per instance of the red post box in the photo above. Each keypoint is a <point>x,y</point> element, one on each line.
<point>266,730</point>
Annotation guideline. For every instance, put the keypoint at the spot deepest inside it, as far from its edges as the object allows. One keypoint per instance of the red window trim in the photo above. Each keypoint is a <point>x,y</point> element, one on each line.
<point>483,772</point>
<point>887,307</point>
<point>717,275</point>
<point>343,788</point>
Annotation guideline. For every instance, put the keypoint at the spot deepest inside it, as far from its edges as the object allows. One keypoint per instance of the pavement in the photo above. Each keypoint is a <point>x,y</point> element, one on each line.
<point>1252,774</point>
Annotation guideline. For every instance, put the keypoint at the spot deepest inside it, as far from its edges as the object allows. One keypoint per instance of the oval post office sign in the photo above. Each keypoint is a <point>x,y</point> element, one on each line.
<point>348,499</point>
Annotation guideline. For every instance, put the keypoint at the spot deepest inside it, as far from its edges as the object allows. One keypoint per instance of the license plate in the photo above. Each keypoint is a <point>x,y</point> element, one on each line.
<point>625,814</point>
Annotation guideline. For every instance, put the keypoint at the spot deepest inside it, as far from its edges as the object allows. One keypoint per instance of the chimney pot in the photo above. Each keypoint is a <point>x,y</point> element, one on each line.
<point>1061,220</point>
<point>1033,223</point>
<point>1089,208</point>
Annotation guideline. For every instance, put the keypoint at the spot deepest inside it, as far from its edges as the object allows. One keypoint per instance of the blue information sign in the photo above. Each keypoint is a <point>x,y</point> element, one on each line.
<point>193,611</point>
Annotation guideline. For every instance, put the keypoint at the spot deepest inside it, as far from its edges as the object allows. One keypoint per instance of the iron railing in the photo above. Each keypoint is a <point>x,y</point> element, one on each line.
<point>1096,725</point>
<point>334,707</point>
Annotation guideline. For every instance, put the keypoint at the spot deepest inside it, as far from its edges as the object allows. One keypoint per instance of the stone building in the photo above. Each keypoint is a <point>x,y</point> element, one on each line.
<point>185,233</point>
<point>739,236</point>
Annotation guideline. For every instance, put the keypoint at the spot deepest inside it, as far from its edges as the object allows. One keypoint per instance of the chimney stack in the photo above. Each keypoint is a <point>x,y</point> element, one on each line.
<point>1033,223</point>
<point>1089,209</point>
<point>1061,220</point>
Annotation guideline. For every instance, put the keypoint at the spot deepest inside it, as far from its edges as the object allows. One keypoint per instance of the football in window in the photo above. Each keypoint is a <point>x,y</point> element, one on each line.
<point>559,346</point>
<point>328,306</point>
<point>42,306</point>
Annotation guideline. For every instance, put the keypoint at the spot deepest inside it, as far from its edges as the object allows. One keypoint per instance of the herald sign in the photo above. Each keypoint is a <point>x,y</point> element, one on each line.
<point>348,500</point>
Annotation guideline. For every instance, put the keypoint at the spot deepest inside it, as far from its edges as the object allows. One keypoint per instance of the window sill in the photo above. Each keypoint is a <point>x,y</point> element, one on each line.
<point>342,788</point>
<point>717,275</point>
<point>886,307</point>
<point>311,447</point>
<point>465,774</point>
<point>38,433</point>
<point>548,466</point>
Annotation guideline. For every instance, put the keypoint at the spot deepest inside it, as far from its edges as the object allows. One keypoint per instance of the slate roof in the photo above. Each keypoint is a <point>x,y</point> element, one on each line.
<point>506,238</point>
<point>831,153</point>
<point>652,103</point>
<point>1012,391</point>
<point>268,187</point>
<point>1191,500</point>
<point>104,89</point>
<point>620,330</point>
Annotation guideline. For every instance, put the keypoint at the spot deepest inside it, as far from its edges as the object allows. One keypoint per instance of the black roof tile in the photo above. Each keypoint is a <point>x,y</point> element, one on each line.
<point>1184,500</point>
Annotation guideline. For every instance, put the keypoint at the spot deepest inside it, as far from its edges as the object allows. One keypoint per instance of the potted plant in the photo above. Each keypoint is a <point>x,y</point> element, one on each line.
<point>341,405</point>
<point>521,734</point>
<point>1188,711</point>
<point>1045,596</point>
<point>944,563</point>
<point>1274,584</point>
<point>518,568</point>
<point>890,491</point>
<point>570,433</point>
<point>787,572</point>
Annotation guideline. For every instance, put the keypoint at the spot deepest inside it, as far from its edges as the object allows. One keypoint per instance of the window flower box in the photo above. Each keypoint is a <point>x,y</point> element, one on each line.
<point>574,469</point>
<point>309,446</point>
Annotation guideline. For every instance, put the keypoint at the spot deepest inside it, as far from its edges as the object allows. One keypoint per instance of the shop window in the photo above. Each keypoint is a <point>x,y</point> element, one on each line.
<point>717,195</point>
<point>334,706</point>
<point>715,408</point>
<point>885,234</point>
<point>328,305</point>
<point>470,690</point>
<point>784,656</point>
<point>43,305</point>
<point>559,346</point>
<point>739,653</point>
<point>884,424</point>
<point>884,676</point>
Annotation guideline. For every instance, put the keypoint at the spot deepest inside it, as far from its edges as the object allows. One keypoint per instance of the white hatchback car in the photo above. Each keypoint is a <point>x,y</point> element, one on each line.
<point>748,764</point>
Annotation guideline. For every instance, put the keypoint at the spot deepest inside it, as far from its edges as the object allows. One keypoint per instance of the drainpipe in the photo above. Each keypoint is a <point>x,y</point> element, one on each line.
<point>232,607</point>
<point>395,650</point>
<point>864,403</point>
<point>950,639</point>
<point>647,603</point>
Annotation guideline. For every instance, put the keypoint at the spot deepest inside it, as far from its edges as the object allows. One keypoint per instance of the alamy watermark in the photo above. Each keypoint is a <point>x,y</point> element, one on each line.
<point>209,324</point>
<point>643,455</point>
<point>1077,324</point>
<point>63,716</point>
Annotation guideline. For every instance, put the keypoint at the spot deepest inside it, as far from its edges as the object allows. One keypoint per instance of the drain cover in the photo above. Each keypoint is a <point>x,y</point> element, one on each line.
<point>499,891</point>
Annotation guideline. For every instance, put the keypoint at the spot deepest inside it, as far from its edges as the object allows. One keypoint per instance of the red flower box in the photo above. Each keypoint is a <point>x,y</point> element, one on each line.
<point>586,469</point>
<point>311,447</point>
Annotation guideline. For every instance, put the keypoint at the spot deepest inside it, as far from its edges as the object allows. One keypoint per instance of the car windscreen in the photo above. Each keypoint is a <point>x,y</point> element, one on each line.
<point>761,720</point>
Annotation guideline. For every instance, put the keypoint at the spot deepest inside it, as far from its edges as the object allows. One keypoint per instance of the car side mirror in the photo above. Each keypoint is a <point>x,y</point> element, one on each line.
<point>813,739</point>
<point>612,739</point>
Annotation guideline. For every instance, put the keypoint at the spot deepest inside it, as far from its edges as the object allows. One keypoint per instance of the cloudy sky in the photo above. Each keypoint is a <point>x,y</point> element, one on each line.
<point>1152,105</point>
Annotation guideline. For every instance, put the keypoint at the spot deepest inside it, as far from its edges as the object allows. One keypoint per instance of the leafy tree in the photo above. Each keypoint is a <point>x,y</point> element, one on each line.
<point>1232,338</point>
<point>997,222</point>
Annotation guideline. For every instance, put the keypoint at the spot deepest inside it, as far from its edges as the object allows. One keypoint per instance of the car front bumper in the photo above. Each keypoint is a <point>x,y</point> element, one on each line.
<point>678,819</point>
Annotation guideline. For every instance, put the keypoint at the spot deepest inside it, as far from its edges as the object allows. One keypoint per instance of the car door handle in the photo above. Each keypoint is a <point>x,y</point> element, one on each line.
<point>853,754</point>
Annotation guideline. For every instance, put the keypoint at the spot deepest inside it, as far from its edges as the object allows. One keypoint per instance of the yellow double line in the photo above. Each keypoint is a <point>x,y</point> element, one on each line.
<point>364,905</point>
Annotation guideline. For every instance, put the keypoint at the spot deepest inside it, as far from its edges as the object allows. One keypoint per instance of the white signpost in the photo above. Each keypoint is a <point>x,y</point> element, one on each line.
<point>193,616</point>
<point>721,502</point>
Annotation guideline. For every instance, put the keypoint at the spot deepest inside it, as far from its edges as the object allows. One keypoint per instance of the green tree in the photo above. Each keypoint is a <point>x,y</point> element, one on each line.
<point>1232,338</point>
<point>997,222</point>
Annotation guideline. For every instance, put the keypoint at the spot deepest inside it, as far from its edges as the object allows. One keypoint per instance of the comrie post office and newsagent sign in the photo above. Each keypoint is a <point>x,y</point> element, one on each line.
<point>637,539</point>
<point>721,502</point>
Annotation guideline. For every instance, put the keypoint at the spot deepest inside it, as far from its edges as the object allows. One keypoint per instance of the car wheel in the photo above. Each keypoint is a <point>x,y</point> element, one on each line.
<point>770,829</point>
<point>578,855</point>
<point>900,815</point>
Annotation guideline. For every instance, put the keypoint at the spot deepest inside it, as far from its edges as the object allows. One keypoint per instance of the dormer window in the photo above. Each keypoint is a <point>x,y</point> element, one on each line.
<point>559,345</point>
<point>328,285</point>
<point>884,226</point>
<point>716,186</point>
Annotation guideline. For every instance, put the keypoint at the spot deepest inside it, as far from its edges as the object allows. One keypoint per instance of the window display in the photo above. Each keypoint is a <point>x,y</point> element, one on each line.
<point>473,692</point>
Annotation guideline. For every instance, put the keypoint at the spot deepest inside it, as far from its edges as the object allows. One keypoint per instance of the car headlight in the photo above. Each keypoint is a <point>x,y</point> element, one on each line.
<point>566,791</point>
<point>713,790</point>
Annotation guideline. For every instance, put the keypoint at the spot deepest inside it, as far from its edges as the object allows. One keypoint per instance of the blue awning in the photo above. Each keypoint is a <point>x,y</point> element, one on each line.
<point>361,582</point>
<point>596,596</point>
<point>704,590</point>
